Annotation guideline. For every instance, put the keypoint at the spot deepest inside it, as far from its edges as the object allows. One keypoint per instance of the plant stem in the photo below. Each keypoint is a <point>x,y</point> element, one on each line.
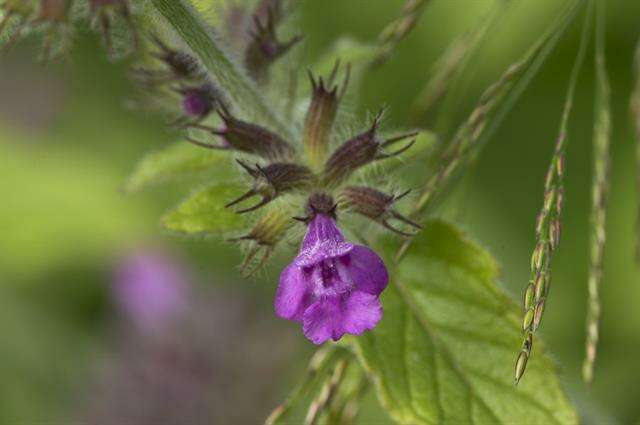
<point>496,101</point>
<point>328,391</point>
<point>600,189</point>
<point>548,220</point>
<point>321,362</point>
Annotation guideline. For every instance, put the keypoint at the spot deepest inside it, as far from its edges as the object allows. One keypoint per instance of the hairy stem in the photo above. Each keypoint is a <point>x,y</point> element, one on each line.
<point>181,16</point>
<point>600,188</point>
<point>328,391</point>
<point>321,362</point>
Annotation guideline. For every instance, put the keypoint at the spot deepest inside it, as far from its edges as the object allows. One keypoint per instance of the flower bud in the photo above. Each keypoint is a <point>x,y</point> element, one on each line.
<point>377,206</point>
<point>196,101</point>
<point>246,137</point>
<point>178,65</point>
<point>321,115</point>
<point>265,48</point>
<point>266,233</point>
<point>359,151</point>
<point>271,181</point>
<point>319,203</point>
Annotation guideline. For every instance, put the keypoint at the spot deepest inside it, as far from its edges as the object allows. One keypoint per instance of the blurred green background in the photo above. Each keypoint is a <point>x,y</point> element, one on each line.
<point>69,137</point>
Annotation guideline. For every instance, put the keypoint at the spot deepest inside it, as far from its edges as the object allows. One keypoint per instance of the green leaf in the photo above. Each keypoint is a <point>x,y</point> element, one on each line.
<point>443,352</point>
<point>177,161</point>
<point>202,40</point>
<point>204,212</point>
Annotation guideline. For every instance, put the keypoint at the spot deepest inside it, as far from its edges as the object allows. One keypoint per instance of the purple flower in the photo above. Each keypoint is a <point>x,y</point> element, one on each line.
<point>151,290</point>
<point>332,287</point>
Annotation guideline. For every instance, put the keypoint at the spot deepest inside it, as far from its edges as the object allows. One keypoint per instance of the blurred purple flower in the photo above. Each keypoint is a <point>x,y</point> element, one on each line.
<point>150,289</point>
<point>205,367</point>
<point>332,287</point>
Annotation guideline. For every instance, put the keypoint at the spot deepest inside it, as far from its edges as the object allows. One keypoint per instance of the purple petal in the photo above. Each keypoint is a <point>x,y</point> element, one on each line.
<point>321,319</point>
<point>361,312</point>
<point>367,270</point>
<point>322,228</point>
<point>332,317</point>
<point>293,295</point>
<point>151,290</point>
<point>323,241</point>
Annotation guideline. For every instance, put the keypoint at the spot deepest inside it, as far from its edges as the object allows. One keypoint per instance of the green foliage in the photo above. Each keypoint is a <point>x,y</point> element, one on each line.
<point>493,106</point>
<point>443,352</point>
<point>60,212</point>
<point>177,161</point>
<point>357,54</point>
<point>204,212</point>
<point>348,50</point>
<point>416,156</point>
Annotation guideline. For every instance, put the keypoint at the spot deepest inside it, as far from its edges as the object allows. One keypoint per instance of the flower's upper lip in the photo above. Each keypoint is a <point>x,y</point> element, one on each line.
<point>322,251</point>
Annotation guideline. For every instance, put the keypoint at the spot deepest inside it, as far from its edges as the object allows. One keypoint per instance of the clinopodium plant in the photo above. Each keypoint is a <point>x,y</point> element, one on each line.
<point>396,299</point>
<point>332,286</point>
